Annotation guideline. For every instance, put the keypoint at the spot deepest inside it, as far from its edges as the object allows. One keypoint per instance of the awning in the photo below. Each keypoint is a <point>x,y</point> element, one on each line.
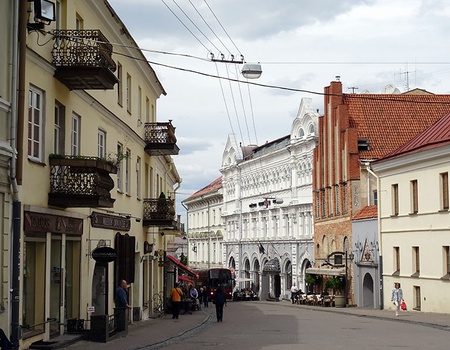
<point>272,266</point>
<point>180,265</point>
<point>185,279</point>
<point>325,272</point>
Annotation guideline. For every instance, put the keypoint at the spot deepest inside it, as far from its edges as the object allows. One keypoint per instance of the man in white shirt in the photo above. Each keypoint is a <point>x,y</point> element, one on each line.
<point>294,293</point>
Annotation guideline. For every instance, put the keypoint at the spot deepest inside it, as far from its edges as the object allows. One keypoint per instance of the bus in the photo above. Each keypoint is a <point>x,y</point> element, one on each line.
<point>212,277</point>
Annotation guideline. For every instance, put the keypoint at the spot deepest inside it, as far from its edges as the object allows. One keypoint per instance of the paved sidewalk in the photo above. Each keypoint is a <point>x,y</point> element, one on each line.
<point>157,331</point>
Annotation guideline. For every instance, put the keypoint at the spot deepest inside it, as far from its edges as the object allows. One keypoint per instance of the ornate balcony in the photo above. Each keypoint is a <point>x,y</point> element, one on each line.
<point>160,139</point>
<point>159,212</point>
<point>83,60</point>
<point>81,182</point>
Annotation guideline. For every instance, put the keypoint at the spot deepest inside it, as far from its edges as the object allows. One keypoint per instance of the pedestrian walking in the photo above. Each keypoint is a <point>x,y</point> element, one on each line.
<point>397,297</point>
<point>294,293</point>
<point>175,298</point>
<point>205,296</point>
<point>220,300</point>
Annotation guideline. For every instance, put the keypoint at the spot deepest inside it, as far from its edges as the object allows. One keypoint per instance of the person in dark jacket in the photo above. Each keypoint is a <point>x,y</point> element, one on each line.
<point>220,300</point>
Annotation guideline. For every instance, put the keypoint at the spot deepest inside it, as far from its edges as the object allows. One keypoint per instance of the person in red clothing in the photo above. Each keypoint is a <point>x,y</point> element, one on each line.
<point>175,298</point>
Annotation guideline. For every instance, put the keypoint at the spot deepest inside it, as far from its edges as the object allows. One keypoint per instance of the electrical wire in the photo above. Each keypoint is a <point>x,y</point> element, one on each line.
<point>243,108</point>
<point>212,30</point>
<point>224,99</point>
<point>234,104</point>
<point>209,7</point>
<point>179,19</point>
<point>190,20</point>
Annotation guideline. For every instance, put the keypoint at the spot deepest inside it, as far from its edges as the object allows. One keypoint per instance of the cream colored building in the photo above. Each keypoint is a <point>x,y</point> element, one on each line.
<point>7,42</point>
<point>205,226</point>
<point>92,163</point>
<point>414,217</point>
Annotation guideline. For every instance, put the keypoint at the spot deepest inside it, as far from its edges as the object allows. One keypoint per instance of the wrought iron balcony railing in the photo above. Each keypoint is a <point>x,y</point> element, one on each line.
<point>83,59</point>
<point>160,139</point>
<point>159,212</point>
<point>81,182</point>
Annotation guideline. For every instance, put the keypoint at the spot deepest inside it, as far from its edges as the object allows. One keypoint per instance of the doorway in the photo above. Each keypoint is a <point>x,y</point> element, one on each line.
<point>368,291</point>
<point>100,289</point>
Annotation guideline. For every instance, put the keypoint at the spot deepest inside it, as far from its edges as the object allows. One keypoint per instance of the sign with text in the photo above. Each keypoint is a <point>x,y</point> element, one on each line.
<point>110,221</point>
<point>39,222</point>
<point>104,254</point>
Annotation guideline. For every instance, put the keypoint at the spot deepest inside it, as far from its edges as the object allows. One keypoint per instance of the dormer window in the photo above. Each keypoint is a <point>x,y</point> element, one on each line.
<point>363,145</point>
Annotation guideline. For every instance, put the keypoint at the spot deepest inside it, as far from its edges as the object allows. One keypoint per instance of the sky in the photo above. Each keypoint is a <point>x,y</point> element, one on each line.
<point>300,44</point>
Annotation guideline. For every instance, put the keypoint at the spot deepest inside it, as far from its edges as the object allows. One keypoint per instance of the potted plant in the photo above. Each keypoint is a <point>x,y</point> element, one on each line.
<point>337,284</point>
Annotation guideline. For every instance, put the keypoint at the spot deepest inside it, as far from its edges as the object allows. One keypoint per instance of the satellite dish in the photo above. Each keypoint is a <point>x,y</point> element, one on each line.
<point>390,89</point>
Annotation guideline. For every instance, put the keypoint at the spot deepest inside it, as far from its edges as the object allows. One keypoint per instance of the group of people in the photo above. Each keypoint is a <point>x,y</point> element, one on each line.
<point>177,294</point>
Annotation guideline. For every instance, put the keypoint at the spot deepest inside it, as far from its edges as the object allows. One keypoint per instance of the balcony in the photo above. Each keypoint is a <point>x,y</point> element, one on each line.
<point>160,139</point>
<point>83,60</point>
<point>81,182</point>
<point>159,212</point>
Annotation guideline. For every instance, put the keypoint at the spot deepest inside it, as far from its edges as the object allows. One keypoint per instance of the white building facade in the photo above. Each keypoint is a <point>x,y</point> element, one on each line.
<point>205,226</point>
<point>414,216</point>
<point>267,208</point>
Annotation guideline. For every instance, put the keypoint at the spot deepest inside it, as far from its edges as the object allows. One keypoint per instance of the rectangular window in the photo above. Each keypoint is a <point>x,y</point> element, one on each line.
<point>147,110</point>
<point>414,197</point>
<point>396,260</point>
<point>416,262</point>
<point>138,177</point>
<point>444,191</point>
<point>417,299</point>
<point>75,135</point>
<point>127,171</point>
<point>101,143</point>
<point>119,167</point>
<point>128,93</point>
<point>58,132</point>
<point>446,251</point>
<point>375,197</point>
<point>139,103</point>
<point>119,84</point>
<point>35,123</point>
<point>395,199</point>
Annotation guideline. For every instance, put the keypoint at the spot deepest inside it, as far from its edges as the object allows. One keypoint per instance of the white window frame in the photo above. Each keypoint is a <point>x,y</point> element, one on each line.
<point>57,130</point>
<point>128,93</point>
<point>127,171</point>
<point>101,143</point>
<point>75,135</point>
<point>36,108</point>
<point>138,177</point>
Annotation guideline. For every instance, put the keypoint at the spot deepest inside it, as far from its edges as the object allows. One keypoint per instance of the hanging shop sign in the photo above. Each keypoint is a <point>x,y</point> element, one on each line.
<point>43,223</point>
<point>112,222</point>
<point>104,254</point>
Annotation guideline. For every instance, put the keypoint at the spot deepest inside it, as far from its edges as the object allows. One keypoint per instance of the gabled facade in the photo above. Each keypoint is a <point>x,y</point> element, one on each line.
<point>205,226</point>
<point>89,181</point>
<point>267,208</point>
<point>414,216</point>
<point>357,129</point>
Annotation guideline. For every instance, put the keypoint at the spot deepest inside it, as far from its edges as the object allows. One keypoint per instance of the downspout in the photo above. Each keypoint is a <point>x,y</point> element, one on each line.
<point>380,254</point>
<point>16,129</point>
<point>187,230</point>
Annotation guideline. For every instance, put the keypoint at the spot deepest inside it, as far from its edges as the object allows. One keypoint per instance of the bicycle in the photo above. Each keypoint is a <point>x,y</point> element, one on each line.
<point>158,304</point>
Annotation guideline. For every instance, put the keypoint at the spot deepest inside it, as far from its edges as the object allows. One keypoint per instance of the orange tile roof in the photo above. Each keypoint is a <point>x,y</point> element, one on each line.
<point>213,186</point>
<point>368,212</point>
<point>435,136</point>
<point>389,121</point>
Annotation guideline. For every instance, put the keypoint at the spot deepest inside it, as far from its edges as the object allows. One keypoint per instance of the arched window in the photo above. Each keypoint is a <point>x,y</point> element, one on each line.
<point>301,133</point>
<point>311,129</point>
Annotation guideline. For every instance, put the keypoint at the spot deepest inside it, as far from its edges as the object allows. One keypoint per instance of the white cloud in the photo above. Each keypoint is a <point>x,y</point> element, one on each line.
<point>363,35</point>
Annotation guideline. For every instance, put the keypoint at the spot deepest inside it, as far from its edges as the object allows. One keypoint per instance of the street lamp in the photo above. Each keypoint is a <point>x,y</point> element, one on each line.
<point>251,70</point>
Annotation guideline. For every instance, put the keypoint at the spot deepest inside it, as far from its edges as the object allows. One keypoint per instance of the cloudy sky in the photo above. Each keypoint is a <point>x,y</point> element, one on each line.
<point>301,44</point>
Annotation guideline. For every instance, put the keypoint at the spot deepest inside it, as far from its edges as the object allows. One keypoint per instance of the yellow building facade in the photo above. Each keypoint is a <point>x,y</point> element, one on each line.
<point>97,181</point>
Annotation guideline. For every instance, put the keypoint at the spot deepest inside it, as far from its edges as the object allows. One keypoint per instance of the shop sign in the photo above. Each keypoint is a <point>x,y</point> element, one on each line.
<point>39,222</point>
<point>112,222</point>
<point>90,309</point>
<point>104,254</point>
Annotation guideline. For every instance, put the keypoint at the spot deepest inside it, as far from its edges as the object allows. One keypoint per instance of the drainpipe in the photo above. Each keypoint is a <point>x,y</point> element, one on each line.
<point>16,129</point>
<point>380,254</point>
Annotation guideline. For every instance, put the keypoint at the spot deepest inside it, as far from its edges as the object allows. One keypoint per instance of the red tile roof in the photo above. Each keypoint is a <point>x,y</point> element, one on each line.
<point>435,136</point>
<point>368,212</point>
<point>213,186</point>
<point>389,121</point>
